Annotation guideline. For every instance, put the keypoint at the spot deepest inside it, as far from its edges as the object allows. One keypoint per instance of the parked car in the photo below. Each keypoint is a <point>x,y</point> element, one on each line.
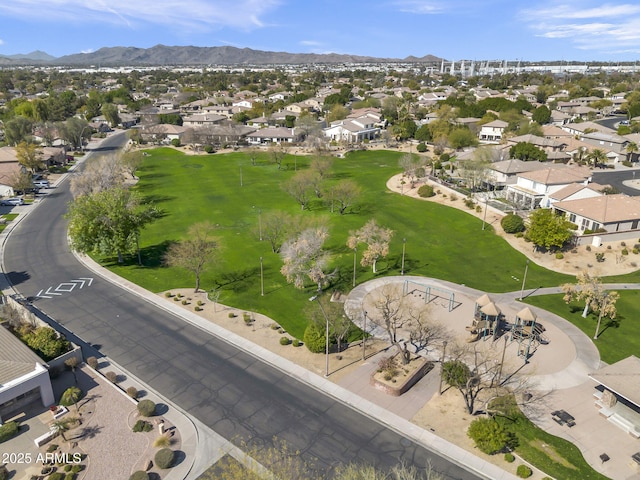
<point>13,201</point>
<point>41,183</point>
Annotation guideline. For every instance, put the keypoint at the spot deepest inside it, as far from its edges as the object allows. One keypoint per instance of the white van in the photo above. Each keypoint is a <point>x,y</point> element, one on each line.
<point>41,183</point>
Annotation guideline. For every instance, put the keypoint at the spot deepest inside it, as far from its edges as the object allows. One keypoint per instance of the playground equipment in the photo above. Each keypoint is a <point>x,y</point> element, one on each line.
<point>429,296</point>
<point>528,332</point>
<point>486,320</point>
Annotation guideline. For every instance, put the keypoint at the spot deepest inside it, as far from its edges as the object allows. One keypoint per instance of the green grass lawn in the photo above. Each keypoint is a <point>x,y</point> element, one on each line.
<point>442,242</point>
<point>618,338</point>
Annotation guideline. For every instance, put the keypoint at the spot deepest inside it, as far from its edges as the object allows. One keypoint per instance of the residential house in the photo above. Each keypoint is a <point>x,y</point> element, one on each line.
<point>576,191</point>
<point>586,127</point>
<point>24,377</point>
<point>559,118</point>
<point>354,130</point>
<point>220,135</point>
<point>163,132</point>
<point>615,144</point>
<point>202,120</point>
<point>547,144</point>
<point>532,189</point>
<point>274,135</point>
<point>613,213</point>
<point>505,172</point>
<point>9,169</point>
<point>492,132</point>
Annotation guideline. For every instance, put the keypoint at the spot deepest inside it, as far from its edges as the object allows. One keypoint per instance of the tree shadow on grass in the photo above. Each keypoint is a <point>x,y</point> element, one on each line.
<point>237,280</point>
<point>152,257</point>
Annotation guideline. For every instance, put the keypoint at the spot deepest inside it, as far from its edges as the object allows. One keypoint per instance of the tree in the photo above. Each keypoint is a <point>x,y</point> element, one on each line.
<point>300,186</point>
<point>527,151</point>
<point>195,252</point>
<point>461,137</point>
<point>321,165</point>
<point>29,156</point>
<point>21,181</point>
<point>546,229</point>
<point>277,154</point>
<point>339,323</point>
<point>131,161</point>
<point>541,115</point>
<point>597,156</point>
<point>18,129</point>
<point>75,131</point>
<point>99,174</point>
<point>631,149</point>
<point>346,193</point>
<point>590,290</point>
<point>423,134</point>
<point>109,222</point>
<point>110,112</point>
<point>475,170</point>
<point>377,239</point>
<point>61,426</point>
<point>490,436</point>
<point>304,257</point>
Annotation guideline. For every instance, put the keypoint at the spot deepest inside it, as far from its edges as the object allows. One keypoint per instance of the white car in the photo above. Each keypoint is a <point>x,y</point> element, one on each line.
<point>41,183</point>
<point>13,201</point>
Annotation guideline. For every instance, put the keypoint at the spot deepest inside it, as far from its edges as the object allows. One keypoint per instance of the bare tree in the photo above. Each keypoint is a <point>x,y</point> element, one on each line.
<point>300,186</point>
<point>391,313</point>
<point>253,154</point>
<point>99,174</point>
<point>304,258</point>
<point>409,164</point>
<point>346,193</point>
<point>275,227</point>
<point>21,181</point>
<point>277,153</point>
<point>195,252</point>
<point>377,239</point>
<point>321,164</point>
<point>475,170</point>
<point>596,298</point>
<point>131,161</point>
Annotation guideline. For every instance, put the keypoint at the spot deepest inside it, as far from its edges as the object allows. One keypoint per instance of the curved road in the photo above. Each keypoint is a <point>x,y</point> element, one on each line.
<point>227,389</point>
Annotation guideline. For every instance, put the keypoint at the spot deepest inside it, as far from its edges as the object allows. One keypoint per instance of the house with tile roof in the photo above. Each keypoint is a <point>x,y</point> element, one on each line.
<point>24,377</point>
<point>492,132</point>
<point>613,213</point>
<point>532,189</point>
<point>354,130</point>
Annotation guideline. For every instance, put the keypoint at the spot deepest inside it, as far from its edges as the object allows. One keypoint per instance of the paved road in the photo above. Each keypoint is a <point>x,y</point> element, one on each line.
<point>229,390</point>
<point>615,178</point>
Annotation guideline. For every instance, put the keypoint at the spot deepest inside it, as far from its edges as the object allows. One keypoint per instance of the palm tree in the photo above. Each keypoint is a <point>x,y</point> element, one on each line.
<point>61,426</point>
<point>632,147</point>
<point>597,156</point>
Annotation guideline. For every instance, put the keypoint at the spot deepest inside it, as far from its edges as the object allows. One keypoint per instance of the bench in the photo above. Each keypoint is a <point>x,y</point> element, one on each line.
<point>42,439</point>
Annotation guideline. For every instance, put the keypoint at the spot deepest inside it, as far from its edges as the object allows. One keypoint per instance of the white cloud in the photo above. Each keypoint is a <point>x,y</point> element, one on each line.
<point>310,43</point>
<point>603,28</point>
<point>1,42</point>
<point>195,14</point>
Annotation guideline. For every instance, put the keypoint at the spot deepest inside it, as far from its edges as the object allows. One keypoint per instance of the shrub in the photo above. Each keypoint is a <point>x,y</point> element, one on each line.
<point>519,234</point>
<point>274,326</point>
<point>168,294</point>
<point>47,343</point>
<point>623,244</point>
<point>71,396</point>
<point>162,442</point>
<point>285,340</point>
<point>599,257</point>
<point>454,197</point>
<point>512,223</point>
<point>625,251</point>
<point>146,408</point>
<point>142,426</point>
<point>231,315</point>
<point>139,475</point>
<point>111,376</point>
<point>200,303</point>
<point>209,149</point>
<point>175,142</point>
<point>164,458</point>
<point>77,468</point>
<point>4,473</point>
<point>176,298</point>
<point>559,255</point>
<point>8,430</point>
<point>421,148</point>
<point>52,448</point>
<point>295,342</point>
<point>314,338</point>
<point>635,251</point>
<point>608,247</point>
<point>490,437</point>
<point>469,203</point>
<point>184,302</point>
<point>132,392</point>
<point>426,191</point>
<point>509,457</point>
<point>56,476</point>
<point>478,208</point>
<point>523,471</point>
<point>588,248</point>
<point>67,468</point>
<point>445,157</point>
<point>92,362</point>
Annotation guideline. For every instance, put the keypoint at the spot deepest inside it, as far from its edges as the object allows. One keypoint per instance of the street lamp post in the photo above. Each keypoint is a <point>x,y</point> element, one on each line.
<point>484,217</point>
<point>241,175</point>
<point>404,243</point>
<point>260,222</point>
<point>261,279</point>
<point>524,279</point>
<point>364,336</point>
<point>444,349</point>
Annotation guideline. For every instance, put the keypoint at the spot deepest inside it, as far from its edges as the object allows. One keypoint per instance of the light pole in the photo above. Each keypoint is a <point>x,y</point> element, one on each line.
<point>364,336</point>
<point>355,255</point>
<point>241,175</point>
<point>260,222</point>
<point>261,279</point>
<point>404,243</point>
<point>524,279</point>
<point>484,217</point>
<point>444,349</point>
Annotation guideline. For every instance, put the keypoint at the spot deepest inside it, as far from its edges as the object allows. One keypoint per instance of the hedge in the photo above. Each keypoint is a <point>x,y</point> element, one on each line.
<point>164,458</point>
<point>8,430</point>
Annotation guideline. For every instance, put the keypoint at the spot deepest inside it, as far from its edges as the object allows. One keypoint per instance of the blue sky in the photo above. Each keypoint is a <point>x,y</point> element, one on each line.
<point>579,30</point>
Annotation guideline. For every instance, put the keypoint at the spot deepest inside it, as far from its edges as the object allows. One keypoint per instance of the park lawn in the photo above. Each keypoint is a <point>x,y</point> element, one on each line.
<point>441,242</point>
<point>618,338</point>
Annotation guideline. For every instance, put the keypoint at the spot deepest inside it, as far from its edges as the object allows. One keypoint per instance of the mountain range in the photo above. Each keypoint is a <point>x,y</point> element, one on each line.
<point>189,55</point>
